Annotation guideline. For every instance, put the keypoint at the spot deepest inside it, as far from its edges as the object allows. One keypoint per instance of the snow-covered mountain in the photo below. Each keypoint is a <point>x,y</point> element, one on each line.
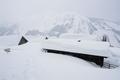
<point>78,24</point>
<point>89,26</point>
<point>57,25</point>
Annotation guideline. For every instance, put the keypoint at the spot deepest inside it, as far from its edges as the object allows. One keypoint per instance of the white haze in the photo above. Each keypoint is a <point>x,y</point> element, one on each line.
<point>14,10</point>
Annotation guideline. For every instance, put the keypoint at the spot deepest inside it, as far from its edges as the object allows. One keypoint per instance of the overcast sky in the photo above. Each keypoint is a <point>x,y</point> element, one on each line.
<point>15,9</point>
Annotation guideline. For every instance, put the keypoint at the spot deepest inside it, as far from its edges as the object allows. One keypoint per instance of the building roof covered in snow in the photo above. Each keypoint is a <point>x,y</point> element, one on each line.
<point>79,36</point>
<point>96,48</point>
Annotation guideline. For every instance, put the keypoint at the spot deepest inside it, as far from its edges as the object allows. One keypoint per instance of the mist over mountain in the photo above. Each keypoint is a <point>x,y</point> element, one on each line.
<point>6,30</point>
<point>78,24</point>
<point>57,25</point>
<point>90,26</point>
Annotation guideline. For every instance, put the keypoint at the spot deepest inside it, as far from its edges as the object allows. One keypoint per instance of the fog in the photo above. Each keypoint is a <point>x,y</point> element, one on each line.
<point>14,10</point>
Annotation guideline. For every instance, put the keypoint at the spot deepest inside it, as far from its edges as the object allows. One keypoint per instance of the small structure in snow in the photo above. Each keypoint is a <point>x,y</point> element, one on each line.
<point>79,40</point>
<point>46,38</point>
<point>23,40</point>
<point>105,38</point>
<point>7,50</point>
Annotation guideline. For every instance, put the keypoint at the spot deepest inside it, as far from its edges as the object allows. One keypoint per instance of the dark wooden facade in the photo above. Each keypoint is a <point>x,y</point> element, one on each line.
<point>99,60</point>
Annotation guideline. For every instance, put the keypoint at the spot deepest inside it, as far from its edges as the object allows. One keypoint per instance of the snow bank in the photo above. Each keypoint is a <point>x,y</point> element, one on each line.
<point>7,41</point>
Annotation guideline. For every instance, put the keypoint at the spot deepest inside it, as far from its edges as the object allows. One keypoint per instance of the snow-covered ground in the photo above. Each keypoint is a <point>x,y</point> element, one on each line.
<point>29,62</point>
<point>66,32</point>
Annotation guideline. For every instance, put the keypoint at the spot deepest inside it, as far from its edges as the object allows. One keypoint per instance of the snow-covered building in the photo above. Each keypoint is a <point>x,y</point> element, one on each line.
<point>93,51</point>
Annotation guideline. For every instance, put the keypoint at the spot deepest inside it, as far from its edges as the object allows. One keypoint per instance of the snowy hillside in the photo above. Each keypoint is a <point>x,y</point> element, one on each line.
<point>58,25</point>
<point>87,26</point>
<point>78,24</point>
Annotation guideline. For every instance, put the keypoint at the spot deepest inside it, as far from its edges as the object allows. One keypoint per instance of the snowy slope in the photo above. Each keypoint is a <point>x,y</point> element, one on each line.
<point>27,62</point>
<point>8,41</point>
<point>75,24</point>
<point>57,25</point>
<point>78,24</point>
